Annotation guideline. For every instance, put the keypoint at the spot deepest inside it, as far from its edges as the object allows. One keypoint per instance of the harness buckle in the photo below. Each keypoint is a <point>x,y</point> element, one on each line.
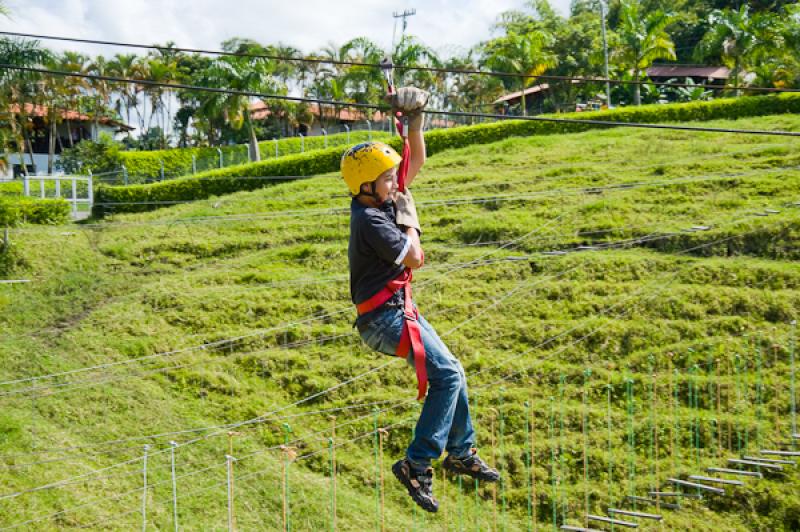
<point>412,316</point>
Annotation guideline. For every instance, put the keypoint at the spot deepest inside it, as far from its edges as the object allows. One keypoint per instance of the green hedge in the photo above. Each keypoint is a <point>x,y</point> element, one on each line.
<point>228,180</point>
<point>11,189</point>
<point>14,211</point>
<point>145,165</point>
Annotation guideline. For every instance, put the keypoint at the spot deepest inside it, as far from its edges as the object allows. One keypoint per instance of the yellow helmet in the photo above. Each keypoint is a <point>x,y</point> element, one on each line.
<point>364,162</point>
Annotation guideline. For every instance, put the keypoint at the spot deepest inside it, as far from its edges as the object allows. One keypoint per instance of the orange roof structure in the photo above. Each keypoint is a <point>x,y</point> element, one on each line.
<point>260,111</point>
<point>42,111</point>
<point>689,71</point>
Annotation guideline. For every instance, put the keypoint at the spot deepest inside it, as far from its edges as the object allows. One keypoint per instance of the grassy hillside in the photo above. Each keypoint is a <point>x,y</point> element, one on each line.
<point>178,323</point>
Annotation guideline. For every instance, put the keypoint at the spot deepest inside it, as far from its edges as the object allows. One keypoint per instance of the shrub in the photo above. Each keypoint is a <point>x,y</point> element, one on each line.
<point>228,180</point>
<point>97,157</point>
<point>143,165</point>
<point>14,211</point>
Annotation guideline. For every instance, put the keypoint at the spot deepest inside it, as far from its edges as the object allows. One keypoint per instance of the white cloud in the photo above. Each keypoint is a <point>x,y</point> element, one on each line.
<point>307,24</point>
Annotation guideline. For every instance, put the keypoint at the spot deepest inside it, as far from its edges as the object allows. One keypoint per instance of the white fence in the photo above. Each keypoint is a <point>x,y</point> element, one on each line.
<point>68,182</point>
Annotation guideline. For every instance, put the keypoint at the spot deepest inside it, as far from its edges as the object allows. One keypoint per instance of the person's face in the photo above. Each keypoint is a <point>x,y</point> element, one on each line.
<point>386,185</point>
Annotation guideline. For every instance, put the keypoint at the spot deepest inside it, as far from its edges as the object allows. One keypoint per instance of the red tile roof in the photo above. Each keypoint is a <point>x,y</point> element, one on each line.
<point>43,111</point>
<point>259,111</point>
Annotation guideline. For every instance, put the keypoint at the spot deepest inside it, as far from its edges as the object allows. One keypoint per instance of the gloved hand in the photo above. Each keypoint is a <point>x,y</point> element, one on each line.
<point>406,210</point>
<point>410,101</point>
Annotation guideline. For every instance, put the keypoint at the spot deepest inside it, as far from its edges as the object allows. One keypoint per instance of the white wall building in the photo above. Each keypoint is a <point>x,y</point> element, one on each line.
<point>72,127</point>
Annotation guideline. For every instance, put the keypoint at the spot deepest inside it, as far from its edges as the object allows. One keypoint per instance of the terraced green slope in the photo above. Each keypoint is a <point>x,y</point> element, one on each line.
<point>259,279</point>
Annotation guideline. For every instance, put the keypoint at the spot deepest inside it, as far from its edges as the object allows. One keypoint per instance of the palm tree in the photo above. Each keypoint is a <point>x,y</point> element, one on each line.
<point>524,53</point>
<point>161,70</point>
<point>18,89</point>
<point>125,66</point>
<point>80,64</point>
<point>468,92</point>
<point>102,92</point>
<point>643,39</point>
<point>740,38</point>
<point>365,83</point>
<point>242,74</point>
<point>411,51</point>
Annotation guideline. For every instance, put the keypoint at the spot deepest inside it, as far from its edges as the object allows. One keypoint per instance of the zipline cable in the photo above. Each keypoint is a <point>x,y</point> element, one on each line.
<point>264,96</point>
<point>469,200</point>
<point>614,245</point>
<point>419,68</point>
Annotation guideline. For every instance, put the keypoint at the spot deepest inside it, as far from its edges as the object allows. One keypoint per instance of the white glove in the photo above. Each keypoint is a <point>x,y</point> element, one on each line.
<point>410,101</point>
<point>406,210</point>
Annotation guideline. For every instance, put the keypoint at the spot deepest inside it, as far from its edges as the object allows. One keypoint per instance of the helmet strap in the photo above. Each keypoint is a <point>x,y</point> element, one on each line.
<point>371,194</point>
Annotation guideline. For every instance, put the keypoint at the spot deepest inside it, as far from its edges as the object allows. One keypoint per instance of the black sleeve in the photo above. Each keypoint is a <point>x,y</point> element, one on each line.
<point>382,235</point>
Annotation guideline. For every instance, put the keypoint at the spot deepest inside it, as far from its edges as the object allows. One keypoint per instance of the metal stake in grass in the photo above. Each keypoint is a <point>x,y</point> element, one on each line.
<point>173,445</point>
<point>144,488</point>
<point>475,482</point>
<point>653,428</point>
<point>631,440</point>
<point>610,443</point>
<point>759,390</point>
<point>376,444</point>
<point>586,374</point>
<point>562,399</point>
<point>737,373</point>
<point>719,408</point>
<point>529,463</point>
<point>676,447</point>
<point>553,482</point>
<point>331,454</point>
<point>692,373</point>
<point>382,434</point>
<point>494,459</point>
<point>288,457</point>
<point>777,380</point>
<point>332,447</point>
<point>230,459</point>
<point>792,344</point>
<point>501,426</point>
<point>231,487</point>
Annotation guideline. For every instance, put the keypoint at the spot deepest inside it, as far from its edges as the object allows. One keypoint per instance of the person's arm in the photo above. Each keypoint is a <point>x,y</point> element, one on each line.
<point>416,144</point>
<point>414,257</point>
<point>411,101</point>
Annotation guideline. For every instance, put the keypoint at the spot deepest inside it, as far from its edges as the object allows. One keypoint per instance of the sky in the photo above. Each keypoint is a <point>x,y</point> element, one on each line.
<point>447,25</point>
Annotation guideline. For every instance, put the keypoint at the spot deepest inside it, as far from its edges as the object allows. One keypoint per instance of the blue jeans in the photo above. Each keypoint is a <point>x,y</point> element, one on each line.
<point>445,421</point>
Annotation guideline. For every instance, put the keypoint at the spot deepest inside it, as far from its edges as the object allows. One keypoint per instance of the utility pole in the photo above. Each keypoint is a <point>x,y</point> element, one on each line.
<point>605,51</point>
<point>404,15</point>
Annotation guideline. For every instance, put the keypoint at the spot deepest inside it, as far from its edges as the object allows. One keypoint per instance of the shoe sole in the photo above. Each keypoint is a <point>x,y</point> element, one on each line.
<point>422,503</point>
<point>467,472</point>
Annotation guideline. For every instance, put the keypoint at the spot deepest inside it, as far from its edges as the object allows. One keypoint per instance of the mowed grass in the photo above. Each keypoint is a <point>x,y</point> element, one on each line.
<point>260,280</point>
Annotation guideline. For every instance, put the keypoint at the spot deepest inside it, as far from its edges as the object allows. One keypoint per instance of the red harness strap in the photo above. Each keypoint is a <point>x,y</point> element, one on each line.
<point>411,337</point>
<point>403,170</point>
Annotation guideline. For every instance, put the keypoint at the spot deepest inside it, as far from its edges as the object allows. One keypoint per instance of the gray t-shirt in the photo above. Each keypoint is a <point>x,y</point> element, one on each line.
<point>376,250</point>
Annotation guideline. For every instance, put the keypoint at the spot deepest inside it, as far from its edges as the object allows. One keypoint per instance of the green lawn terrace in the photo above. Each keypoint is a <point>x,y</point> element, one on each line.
<point>622,301</point>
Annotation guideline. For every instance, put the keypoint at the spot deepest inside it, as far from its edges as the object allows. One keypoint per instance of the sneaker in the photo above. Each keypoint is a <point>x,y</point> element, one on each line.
<point>418,483</point>
<point>472,466</point>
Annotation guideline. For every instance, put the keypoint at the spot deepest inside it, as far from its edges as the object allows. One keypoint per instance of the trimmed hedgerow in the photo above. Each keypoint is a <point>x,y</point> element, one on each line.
<point>14,211</point>
<point>138,198</point>
<point>143,165</point>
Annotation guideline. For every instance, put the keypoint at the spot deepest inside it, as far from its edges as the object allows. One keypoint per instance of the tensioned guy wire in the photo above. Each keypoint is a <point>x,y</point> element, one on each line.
<point>264,96</point>
<point>420,68</point>
<point>66,481</point>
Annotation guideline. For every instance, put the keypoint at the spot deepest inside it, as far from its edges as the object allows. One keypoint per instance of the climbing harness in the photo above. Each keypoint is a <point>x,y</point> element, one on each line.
<point>411,337</point>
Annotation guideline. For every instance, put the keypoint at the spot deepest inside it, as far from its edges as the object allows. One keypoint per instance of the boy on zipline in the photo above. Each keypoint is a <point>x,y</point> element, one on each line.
<point>384,248</point>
